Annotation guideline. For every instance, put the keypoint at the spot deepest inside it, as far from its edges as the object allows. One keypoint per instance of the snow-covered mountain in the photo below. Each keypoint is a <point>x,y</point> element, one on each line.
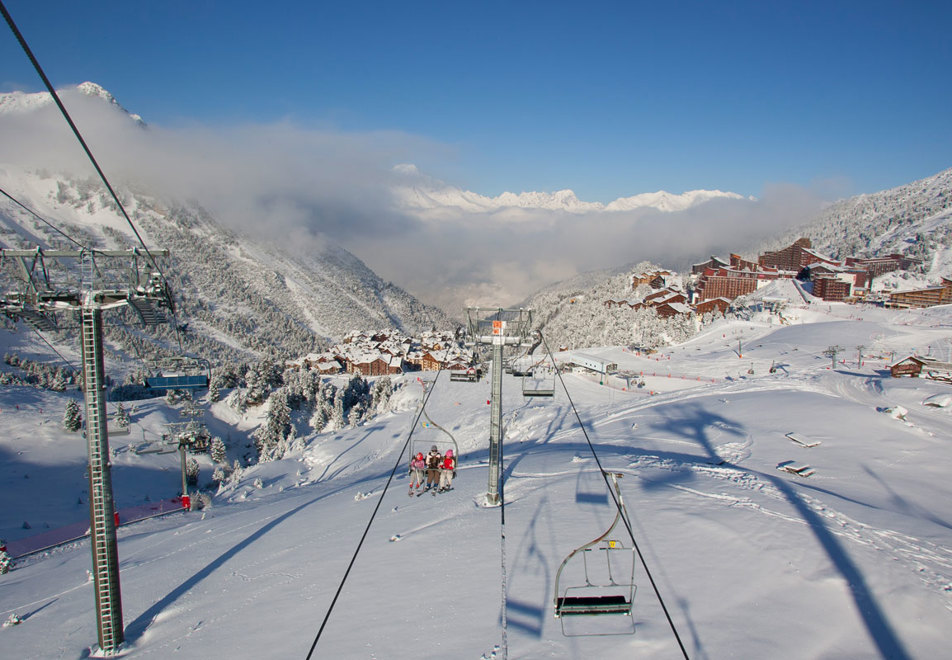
<point>25,102</point>
<point>431,198</point>
<point>914,219</point>
<point>241,297</point>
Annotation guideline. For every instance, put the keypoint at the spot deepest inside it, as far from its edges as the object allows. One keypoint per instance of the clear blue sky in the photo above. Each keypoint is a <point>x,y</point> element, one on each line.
<point>609,99</point>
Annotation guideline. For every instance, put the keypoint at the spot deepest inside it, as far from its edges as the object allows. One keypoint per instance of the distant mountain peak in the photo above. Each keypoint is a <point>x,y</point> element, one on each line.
<point>92,89</point>
<point>26,102</point>
<point>422,194</point>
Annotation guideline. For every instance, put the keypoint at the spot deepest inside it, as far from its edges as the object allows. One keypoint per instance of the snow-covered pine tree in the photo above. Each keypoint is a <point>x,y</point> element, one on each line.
<point>380,395</point>
<point>214,394</point>
<point>257,390</point>
<point>122,417</point>
<point>218,475</point>
<point>192,469</point>
<point>59,382</point>
<point>339,416</point>
<point>219,452</point>
<point>275,430</point>
<point>318,418</point>
<point>72,418</point>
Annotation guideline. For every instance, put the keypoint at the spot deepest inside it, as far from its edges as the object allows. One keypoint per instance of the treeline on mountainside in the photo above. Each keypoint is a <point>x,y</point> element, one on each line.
<point>40,374</point>
<point>881,223</point>
<point>577,317</point>
<point>296,399</point>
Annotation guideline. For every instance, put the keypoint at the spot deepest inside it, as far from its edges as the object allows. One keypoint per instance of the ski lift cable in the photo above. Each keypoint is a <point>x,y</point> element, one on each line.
<point>53,348</point>
<point>624,518</point>
<point>41,218</point>
<point>383,493</point>
<point>53,227</point>
<point>436,426</point>
<point>72,125</point>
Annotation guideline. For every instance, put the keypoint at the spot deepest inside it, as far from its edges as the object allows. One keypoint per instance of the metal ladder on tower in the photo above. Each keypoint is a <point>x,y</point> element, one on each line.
<point>102,522</point>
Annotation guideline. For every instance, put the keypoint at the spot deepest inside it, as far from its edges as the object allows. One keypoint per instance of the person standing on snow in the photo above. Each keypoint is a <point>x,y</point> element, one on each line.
<point>417,468</point>
<point>433,460</point>
<point>447,471</point>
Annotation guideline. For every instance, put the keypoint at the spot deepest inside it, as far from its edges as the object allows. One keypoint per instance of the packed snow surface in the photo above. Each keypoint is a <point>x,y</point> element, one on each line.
<point>752,561</point>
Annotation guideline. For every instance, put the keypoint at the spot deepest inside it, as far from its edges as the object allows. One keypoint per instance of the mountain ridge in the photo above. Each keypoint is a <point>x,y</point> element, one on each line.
<point>430,196</point>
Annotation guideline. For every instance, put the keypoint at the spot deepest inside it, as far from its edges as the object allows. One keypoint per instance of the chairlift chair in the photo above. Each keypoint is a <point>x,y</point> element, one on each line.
<point>179,373</point>
<point>469,375</point>
<point>431,434</point>
<point>608,574</point>
<point>538,384</point>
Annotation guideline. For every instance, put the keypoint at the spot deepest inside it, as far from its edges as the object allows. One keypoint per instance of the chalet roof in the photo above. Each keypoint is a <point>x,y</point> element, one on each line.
<point>368,357</point>
<point>713,259</point>
<point>927,362</point>
<point>933,363</point>
<point>710,301</point>
<point>816,254</point>
<point>680,308</point>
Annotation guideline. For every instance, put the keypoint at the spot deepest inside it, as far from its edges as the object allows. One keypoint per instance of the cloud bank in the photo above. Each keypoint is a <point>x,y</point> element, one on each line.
<point>290,183</point>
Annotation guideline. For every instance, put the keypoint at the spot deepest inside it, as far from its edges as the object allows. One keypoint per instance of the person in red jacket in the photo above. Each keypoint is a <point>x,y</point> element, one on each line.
<point>447,471</point>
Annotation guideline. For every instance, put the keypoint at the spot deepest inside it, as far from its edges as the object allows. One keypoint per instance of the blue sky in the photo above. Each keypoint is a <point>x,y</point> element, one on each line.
<point>609,99</point>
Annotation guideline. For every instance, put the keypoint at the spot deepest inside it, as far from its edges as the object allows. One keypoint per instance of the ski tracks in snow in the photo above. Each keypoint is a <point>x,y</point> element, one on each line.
<point>931,563</point>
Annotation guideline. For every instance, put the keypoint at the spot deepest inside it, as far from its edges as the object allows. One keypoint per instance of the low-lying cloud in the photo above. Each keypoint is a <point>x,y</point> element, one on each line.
<point>285,181</point>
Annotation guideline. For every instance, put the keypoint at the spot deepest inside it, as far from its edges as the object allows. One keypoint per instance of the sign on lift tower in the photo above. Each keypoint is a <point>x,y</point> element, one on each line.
<point>98,288</point>
<point>498,328</point>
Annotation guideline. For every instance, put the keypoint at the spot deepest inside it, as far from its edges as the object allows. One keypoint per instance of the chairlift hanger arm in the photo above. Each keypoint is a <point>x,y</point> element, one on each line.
<point>618,510</point>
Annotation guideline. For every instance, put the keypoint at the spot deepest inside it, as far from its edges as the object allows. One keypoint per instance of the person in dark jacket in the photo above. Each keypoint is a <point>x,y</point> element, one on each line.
<point>433,461</point>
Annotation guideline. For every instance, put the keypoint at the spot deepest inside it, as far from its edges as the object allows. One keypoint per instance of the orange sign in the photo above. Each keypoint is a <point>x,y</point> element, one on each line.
<point>497,327</point>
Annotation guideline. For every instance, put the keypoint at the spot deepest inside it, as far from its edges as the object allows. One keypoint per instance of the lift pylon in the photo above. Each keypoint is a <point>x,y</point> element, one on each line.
<point>497,328</point>
<point>90,296</point>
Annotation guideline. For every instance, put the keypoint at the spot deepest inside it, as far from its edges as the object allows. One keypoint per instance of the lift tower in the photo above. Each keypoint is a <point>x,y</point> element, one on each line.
<point>498,328</point>
<point>37,302</point>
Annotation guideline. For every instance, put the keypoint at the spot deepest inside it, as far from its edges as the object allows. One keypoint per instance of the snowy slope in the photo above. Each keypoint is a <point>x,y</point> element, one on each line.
<point>752,562</point>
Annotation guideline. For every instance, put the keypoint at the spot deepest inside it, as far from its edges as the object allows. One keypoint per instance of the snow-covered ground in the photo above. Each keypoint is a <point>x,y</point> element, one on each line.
<point>854,561</point>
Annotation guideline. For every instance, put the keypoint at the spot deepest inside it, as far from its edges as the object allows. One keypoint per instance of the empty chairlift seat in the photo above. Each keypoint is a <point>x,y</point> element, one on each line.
<point>598,578</point>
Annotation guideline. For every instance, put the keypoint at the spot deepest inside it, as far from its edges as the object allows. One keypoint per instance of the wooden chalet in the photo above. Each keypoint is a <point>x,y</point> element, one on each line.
<point>328,367</point>
<point>668,309</point>
<point>655,279</point>
<point>713,262</point>
<point>713,305</point>
<point>429,362</point>
<point>376,364</point>
<point>918,366</point>
<point>666,296</point>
